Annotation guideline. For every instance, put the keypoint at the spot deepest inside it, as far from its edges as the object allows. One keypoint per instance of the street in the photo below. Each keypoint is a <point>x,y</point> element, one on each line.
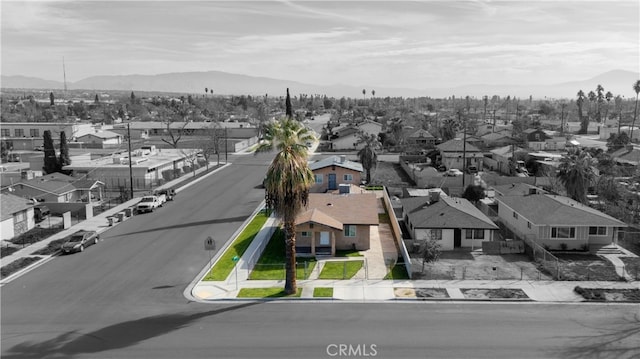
<point>123,298</point>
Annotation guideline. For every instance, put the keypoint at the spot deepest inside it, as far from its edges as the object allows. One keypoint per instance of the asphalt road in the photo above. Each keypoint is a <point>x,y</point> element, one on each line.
<point>124,299</point>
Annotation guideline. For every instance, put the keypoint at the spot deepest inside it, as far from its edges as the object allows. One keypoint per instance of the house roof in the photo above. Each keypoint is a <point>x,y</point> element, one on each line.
<point>421,133</point>
<point>10,204</point>
<point>556,210</point>
<point>87,184</point>
<point>447,212</point>
<point>102,134</point>
<point>456,145</point>
<point>516,189</point>
<point>317,216</point>
<point>348,209</point>
<point>494,136</point>
<point>56,183</point>
<point>506,150</point>
<point>336,161</point>
<point>625,155</point>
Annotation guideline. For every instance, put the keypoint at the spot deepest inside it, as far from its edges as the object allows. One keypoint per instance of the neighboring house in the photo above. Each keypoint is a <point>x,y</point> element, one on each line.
<point>421,139</point>
<point>347,137</point>
<point>556,221</point>
<point>535,138</point>
<point>556,144</point>
<point>627,156</point>
<point>336,222</point>
<point>502,156</point>
<point>100,139</point>
<point>454,222</point>
<point>27,135</point>
<point>333,171</point>
<point>16,215</point>
<point>59,188</point>
<point>497,139</point>
<point>452,151</point>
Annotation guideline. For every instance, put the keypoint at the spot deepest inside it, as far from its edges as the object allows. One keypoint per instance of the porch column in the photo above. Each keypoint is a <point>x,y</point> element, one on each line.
<point>333,243</point>
<point>313,243</point>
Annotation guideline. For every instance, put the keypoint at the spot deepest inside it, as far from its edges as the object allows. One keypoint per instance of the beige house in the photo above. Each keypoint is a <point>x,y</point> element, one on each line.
<point>336,222</point>
<point>333,171</point>
<point>17,216</point>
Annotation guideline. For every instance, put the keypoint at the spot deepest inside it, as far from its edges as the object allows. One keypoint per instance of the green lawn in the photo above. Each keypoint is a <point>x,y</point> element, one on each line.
<point>272,292</point>
<point>340,270</point>
<point>348,253</point>
<point>225,264</point>
<point>270,266</point>
<point>399,271</point>
<point>323,292</point>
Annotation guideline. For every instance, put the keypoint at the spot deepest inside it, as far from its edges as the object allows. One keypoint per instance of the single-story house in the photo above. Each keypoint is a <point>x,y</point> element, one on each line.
<point>17,215</point>
<point>535,138</point>
<point>556,144</point>
<point>421,138</point>
<point>451,153</point>
<point>557,221</point>
<point>348,137</point>
<point>497,139</point>
<point>100,139</point>
<point>502,156</point>
<point>333,171</point>
<point>53,187</point>
<point>454,222</point>
<point>628,156</point>
<point>336,222</point>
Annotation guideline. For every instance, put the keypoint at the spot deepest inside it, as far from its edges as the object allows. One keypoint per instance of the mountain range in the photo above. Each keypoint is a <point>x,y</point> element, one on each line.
<point>619,82</point>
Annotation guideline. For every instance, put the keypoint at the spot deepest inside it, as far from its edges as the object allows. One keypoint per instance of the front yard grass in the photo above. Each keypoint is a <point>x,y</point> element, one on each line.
<point>340,270</point>
<point>271,292</point>
<point>225,264</point>
<point>609,295</point>
<point>323,292</point>
<point>270,266</point>
<point>585,267</point>
<point>17,265</point>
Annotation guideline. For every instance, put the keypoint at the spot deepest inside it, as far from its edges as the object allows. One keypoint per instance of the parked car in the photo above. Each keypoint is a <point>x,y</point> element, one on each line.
<point>79,240</point>
<point>38,148</point>
<point>14,157</point>
<point>41,212</point>
<point>472,169</point>
<point>148,204</point>
<point>162,199</point>
<point>169,193</point>
<point>453,172</point>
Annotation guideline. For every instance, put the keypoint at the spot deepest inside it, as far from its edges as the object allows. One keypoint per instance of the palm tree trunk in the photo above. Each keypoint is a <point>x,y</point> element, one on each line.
<point>635,114</point>
<point>290,286</point>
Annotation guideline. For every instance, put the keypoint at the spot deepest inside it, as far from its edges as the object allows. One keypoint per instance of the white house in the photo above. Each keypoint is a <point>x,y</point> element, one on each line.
<point>16,215</point>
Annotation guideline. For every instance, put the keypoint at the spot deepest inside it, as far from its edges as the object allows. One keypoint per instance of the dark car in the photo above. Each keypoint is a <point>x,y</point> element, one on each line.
<point>41,212</point>
<point>169,193</point>
<point>79,240</point>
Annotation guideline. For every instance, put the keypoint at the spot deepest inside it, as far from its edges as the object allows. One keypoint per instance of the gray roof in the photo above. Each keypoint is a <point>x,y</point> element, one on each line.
<point>516,189</point>
<point>56,183</point>
<point>447,212</point>
<point>546,209</point>
<point>10,204</point>
<point>336,161</point>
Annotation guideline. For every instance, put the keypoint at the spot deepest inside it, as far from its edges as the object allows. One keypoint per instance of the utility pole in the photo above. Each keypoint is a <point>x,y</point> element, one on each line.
<point>464,151</point>
<point>562,106</point>
<point>226,151</point>
<point>130,159</point>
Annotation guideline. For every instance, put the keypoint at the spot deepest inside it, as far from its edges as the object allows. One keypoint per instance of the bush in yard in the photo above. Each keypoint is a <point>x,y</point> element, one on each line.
<point>186,169</point>
<point>563,246</point>
<point>430,252</point>
<point>168,175</point>
<point>177,173</point>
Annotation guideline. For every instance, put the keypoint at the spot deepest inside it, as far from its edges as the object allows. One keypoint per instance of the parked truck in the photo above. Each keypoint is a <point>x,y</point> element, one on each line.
<point>148,204</point>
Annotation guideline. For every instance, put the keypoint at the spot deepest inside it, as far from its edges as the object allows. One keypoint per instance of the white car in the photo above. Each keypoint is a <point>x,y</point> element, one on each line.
<point>148,204</point>
<point>453,172</point>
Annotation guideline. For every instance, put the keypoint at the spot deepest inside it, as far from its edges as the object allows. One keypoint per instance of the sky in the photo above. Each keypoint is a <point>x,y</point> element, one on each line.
<point>421,44</point>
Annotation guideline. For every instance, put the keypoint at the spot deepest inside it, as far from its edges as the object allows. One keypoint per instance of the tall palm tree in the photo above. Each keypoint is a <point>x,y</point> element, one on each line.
<point>618,106</point>
<point>599,101</point>
<point>367,154</point>
<point>576,172</point>
<point>636,88</point>
<point>287,182</point>
<point>592,99</point>
<point>580,102</point>
<point>608,97</point>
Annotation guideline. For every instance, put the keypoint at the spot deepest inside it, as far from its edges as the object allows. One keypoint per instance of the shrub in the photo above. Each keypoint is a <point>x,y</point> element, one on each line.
<point>563,246</point>
<point>546,247</point>
<point>168,175</point>
<point>584,247</point>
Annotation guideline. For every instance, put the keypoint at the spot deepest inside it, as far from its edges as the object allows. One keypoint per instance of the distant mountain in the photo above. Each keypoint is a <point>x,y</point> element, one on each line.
<point>223,83</point>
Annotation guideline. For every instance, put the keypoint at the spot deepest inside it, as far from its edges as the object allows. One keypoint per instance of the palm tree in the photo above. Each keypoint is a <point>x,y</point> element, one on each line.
<point>364,93</point>
<point>618,106</point>
<point>580,102</point>
<point>599,101</point>
<point>592,99</point>
<point>287,182</point>
<point>576,172</point>
<point>636,88</point>
<point>367,155</point>
<point>608,97</point>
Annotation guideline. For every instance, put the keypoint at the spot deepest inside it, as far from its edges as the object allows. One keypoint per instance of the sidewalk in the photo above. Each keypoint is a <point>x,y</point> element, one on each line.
<point>98,223</point>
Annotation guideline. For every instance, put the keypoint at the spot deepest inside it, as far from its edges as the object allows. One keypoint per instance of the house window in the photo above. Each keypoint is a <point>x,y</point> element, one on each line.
<point>474,234</point>
<point>319,178</point>
<point>348,178</point>
<point>598,231</point>
<point>34,132</point>
<point>306,234</point>
<point>18,132</point>
<point>349,230</point>
<point>5,132</point>
<point>19,217</point>
<point>68,197</point>
<point>563,232</point>
<point>529,225</point>
<point>515,215</point>
<point>436,234</point>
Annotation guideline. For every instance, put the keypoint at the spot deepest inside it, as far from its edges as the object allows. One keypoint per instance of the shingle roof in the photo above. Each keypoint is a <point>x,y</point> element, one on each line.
<point>10,204</point>
<point>421,133</point>
<point>456,145</point>
<point>447,212</point>
<point>549,209</point>
<point>347,209</point>
<point>516,189</point>
<point>317,216</point>
<point>103,134</point>
<point>56,183</point>
<point>335,160</point>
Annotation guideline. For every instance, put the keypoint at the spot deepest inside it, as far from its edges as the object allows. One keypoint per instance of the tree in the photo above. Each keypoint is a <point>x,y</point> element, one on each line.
<point>608,97</point>
<point>52,99</point>
<point>364,94</point>
<point>206,90</point>
<point>288,108</point>
<point>430,251</point>
<point>287,182</point>
<point>133,98</point>
<point>584,124</point>
<point>4,151</point>
<point>64,159</point>
<point>636,88</point>
<point>473,193</point>
<point>599,102</point>
<point>50,160</point>
<point>172,135</point>
<point>96,100</point>
<point>616,142</point>
<point>367,155</point>
<point>577,172</point>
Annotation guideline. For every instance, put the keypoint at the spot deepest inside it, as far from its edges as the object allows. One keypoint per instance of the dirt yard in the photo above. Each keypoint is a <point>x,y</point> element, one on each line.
<point>475,265</point>
<point>391,175</point>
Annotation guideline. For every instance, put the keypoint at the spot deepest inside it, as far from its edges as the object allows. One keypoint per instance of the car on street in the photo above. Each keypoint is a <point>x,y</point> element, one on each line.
<point>78,241</point>
<point>148,204</point>
<point>453,172</point>
<point>168,193</point>
<point>472,169</point>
